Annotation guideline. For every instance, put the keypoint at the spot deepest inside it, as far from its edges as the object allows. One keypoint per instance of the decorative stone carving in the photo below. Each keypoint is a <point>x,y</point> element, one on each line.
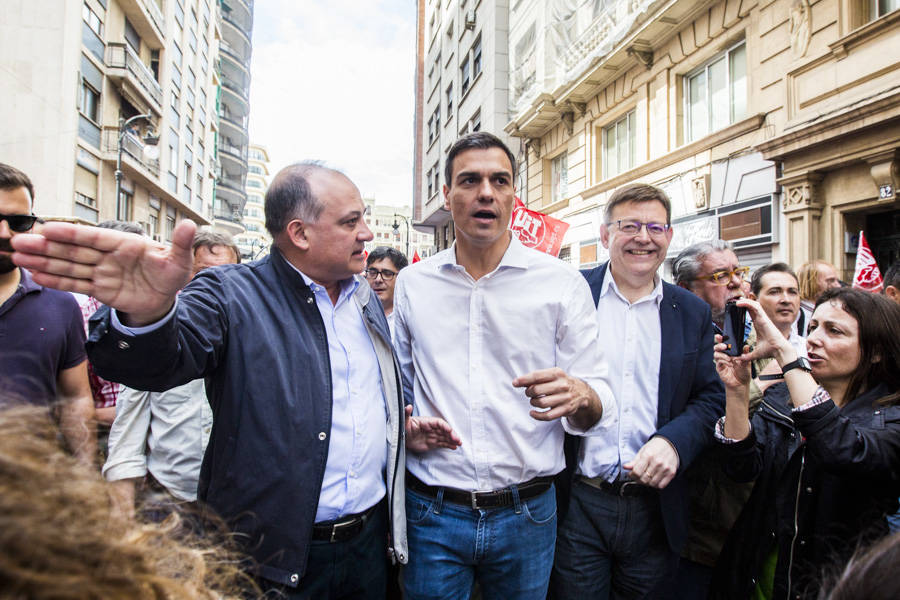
<point>801,191</point>
<point>645,57</point>
<point>568,119</point>
<point>885,171</point>
<point>801,27</point>
<point>700,190</point>
<point>535,145</point>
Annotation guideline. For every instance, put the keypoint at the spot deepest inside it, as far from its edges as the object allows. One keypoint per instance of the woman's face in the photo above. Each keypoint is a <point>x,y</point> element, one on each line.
<point>833,343</point>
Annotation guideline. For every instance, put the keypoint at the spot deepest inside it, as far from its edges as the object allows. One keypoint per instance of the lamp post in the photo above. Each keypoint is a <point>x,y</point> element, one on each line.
<point>150,141</point>
<point>397,230</point>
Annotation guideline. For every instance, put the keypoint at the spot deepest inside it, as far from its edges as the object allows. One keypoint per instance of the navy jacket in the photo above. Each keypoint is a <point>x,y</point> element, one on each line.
<point>253,331</point>
<point>691,395</point>
<point>825,479</point>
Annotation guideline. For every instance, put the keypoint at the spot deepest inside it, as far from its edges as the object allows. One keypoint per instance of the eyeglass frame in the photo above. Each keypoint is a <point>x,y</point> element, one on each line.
<point>666,227</point>
<point>9,223</point>
<point>382,273</point>
<point>743,271</point>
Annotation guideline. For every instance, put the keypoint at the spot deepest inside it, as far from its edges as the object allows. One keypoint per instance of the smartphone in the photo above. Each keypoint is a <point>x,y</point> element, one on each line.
<point>735,317</point>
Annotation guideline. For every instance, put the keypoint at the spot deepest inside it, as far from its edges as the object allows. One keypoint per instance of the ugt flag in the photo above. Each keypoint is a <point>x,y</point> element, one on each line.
<point>537,230</point>
<point>866,276</point>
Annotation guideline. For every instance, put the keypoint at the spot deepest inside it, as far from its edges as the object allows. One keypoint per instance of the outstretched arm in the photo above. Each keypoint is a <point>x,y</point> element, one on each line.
<point>135,275</point>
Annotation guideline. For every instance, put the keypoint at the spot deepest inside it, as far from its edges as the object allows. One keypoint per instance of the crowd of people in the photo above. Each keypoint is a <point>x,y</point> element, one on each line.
<point>323,423</point>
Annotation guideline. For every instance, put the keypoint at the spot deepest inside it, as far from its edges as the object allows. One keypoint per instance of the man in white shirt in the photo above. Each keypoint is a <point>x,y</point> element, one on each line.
<point>775,287</point>
<point>628,509</point>
<point>500,341</point>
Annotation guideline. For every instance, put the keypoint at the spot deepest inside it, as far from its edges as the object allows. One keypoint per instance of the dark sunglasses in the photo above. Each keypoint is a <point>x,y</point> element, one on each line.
<point>19,223</point>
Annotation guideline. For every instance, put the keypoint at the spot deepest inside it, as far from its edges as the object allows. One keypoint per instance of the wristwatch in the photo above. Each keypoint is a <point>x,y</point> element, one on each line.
<point>801,363</point>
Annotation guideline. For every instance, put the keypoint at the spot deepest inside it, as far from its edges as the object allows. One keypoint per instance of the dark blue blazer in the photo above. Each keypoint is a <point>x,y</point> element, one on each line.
<point>691,395</point>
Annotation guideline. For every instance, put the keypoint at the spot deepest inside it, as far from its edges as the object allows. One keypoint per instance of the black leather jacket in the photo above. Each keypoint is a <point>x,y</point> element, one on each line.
<point>825,479</point>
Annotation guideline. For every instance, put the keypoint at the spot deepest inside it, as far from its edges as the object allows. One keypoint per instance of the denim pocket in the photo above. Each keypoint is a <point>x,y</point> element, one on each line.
<point>417,507</point>
<point>541,510</point>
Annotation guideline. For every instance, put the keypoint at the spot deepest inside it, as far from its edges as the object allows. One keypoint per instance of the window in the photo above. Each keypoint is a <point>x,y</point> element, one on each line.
<point>176,77</point>
<point>619,146</point>
<point>883,7</point>
<point>476,58</point>
<point>464,76</point>
<point>716,94</point>
<point>434,125</point>
<point>450,100</point>
<point>126,200</point>
<point>177,56</point>
<point>179,13</point>
<point>559,173</point>
<point>170,223</point>
<point>132,37</point>
<point>191,78</point>
<point>154,223</point>
<point>93,21</point>
<point>476,122</point>
<point>90,102</point>
<point>173,151</point>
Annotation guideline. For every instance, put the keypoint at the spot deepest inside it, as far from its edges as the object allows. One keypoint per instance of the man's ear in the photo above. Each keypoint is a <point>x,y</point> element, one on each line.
<point>446,191</point>
<point>296,233</point>
<point>752,296</point>
<point>893,293</point>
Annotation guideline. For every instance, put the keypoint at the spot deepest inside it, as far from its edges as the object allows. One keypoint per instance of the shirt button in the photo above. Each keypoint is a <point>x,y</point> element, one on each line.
<point>123,345</point>
<point>322,435</point>
<point>295,578</point>
<point>309,300</point>
<point>809,490</point>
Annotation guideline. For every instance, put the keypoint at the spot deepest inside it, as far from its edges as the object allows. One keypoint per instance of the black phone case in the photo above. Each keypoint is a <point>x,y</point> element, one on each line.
<point>735,316</point>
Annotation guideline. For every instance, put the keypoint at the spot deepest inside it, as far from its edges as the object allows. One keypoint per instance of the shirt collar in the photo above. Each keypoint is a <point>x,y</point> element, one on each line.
<point>27,283</point>
<point>608,282</point>
<point>348,286</point>
<point>516,256</point>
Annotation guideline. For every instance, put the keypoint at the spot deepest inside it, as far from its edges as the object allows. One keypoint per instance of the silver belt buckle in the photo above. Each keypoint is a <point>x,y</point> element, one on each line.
<point>335,527</point>
<point>625,485</point>
<point>474,498</point>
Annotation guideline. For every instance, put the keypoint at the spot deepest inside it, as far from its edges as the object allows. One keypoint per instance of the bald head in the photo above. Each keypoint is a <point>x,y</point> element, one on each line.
<point>291,196</point>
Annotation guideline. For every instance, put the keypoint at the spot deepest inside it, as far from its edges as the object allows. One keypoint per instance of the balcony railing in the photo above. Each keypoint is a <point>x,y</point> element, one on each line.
<point>239,151</point>
<point>243,29</point>
<point>235,87</point>
<point>233,53</point>
<point>155,14</point>
<point>234,216</point>
<point>132,146</point>
<point>239,122</point>
<point>121,56</point>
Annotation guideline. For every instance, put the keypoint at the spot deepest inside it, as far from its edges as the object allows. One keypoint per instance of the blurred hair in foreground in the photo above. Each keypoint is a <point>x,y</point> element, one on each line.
<point>59,537</point>
<point>870,575</point>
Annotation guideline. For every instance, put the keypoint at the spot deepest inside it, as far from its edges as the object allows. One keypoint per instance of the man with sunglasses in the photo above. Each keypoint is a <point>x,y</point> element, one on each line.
<point>628,506</point>
<point>382,266</point>
<point>42,357</point>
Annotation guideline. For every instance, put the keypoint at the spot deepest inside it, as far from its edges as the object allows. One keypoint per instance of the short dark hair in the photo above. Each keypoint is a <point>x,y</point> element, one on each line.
<point>126,226</point>
<point>395,256</point>
<point>290,197</point>
<point>11,179</point>
<point>892,275</point>
<point>207,238</point>
<point>778,267</point>
<point>637,192</point>
<point>479,140</point>
<point>878,319</point>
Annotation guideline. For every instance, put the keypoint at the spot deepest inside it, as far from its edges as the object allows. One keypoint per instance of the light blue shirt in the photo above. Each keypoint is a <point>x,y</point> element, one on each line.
<point>357,453</point>
<point>631,339</point>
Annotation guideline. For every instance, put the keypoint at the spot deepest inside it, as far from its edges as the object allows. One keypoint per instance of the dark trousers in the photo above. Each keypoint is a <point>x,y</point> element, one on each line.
<point>611,546</point>
<point>355,569</point>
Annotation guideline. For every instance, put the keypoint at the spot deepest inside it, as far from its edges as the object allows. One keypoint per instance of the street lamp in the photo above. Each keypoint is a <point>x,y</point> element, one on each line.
<point>397,230</point>
<point>149,151</point>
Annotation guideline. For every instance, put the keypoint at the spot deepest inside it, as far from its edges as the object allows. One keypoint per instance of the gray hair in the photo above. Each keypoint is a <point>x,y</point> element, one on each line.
<point>688,263</point>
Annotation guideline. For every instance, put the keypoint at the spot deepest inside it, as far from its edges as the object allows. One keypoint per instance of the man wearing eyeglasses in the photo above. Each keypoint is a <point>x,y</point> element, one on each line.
<point>628,507</point>
<point>382,267</point>
<point>712,271</point>
<point>42,357</point>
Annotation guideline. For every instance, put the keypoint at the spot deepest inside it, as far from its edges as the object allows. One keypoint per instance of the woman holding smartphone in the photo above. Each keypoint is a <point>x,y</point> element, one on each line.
<point>823,448</point>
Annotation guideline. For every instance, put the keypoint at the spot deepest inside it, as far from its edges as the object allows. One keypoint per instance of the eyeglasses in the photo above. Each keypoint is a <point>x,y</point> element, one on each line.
<point>19,223</point>
<point>725,277</point>
<point>386,274</point>
<point>634,227</point>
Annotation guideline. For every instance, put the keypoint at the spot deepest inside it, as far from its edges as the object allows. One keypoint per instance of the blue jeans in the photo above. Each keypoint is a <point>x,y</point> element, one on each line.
<point>509,550</point>
<point>611,546</point>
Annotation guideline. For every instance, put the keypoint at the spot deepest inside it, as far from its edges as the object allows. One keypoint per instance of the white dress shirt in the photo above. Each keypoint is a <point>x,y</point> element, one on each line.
<point>631,337</point>
<point>461,342</point>
<point>162,432</point>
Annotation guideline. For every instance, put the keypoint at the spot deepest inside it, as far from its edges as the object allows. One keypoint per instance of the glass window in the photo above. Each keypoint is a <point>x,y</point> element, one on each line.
<point>619,146</point>
<point>450,99</point>
<point>93,21</point>
<point>883,7</point>
<point>177,56</point>
<point>132,36</point>
<point>476,58</point>
<point>717,93</point>
<point>559,173</point>
<point>464,76</point>
<point>90,102</point>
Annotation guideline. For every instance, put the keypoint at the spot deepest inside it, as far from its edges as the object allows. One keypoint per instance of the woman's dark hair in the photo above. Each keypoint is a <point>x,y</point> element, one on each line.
<point>879,340</point>
<point>870,575</point>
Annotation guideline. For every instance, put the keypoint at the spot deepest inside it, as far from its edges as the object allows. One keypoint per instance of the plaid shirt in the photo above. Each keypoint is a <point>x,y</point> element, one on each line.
<point>105,392</point>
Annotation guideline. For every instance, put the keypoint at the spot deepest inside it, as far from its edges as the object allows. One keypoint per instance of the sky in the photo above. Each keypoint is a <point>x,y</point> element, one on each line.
<point>333,80</point>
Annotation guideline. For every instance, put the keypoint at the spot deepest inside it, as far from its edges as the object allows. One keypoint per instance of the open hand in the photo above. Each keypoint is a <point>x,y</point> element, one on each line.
<point>131,273</point>
<point>428,433</point>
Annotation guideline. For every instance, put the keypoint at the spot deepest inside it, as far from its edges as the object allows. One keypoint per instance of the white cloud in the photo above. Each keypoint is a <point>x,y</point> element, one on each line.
<point>334,81</point>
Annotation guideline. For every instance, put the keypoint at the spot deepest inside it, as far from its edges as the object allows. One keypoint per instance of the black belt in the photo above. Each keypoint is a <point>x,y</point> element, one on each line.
<point>622,487</point>
<point>478,500</point>
<point>344,528</point>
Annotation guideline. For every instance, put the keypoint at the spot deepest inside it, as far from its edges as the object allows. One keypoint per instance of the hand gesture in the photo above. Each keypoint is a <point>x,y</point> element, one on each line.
<point>769,341</point>
<point>428,433</point>
<point>734,371</point>
<point>655,464</point>
<point>562,395</point>
<point>131,273</point>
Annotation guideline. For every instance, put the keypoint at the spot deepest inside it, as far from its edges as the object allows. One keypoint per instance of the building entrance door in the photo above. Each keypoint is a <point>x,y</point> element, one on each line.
<point>883,234</point>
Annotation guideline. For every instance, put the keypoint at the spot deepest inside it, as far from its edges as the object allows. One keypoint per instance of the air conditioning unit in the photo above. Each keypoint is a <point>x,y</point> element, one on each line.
<point>470,19</point>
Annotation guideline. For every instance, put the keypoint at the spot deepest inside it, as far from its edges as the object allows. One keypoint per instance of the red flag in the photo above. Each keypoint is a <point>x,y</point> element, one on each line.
<point>416,257</point>
<point>866,276</point>
<point>537,230</point>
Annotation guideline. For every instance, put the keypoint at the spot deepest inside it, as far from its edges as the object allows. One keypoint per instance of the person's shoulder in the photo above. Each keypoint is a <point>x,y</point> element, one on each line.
<point>684,297</point>
<point>549,264</point>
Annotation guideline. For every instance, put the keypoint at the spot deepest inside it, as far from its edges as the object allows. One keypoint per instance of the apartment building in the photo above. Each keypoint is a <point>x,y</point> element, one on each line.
<point>773,125</point>
<point>233,108</point>
<point>93,83</point>
<point>461,87</point>
<point>255,240</point>
<point>393,226</point>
